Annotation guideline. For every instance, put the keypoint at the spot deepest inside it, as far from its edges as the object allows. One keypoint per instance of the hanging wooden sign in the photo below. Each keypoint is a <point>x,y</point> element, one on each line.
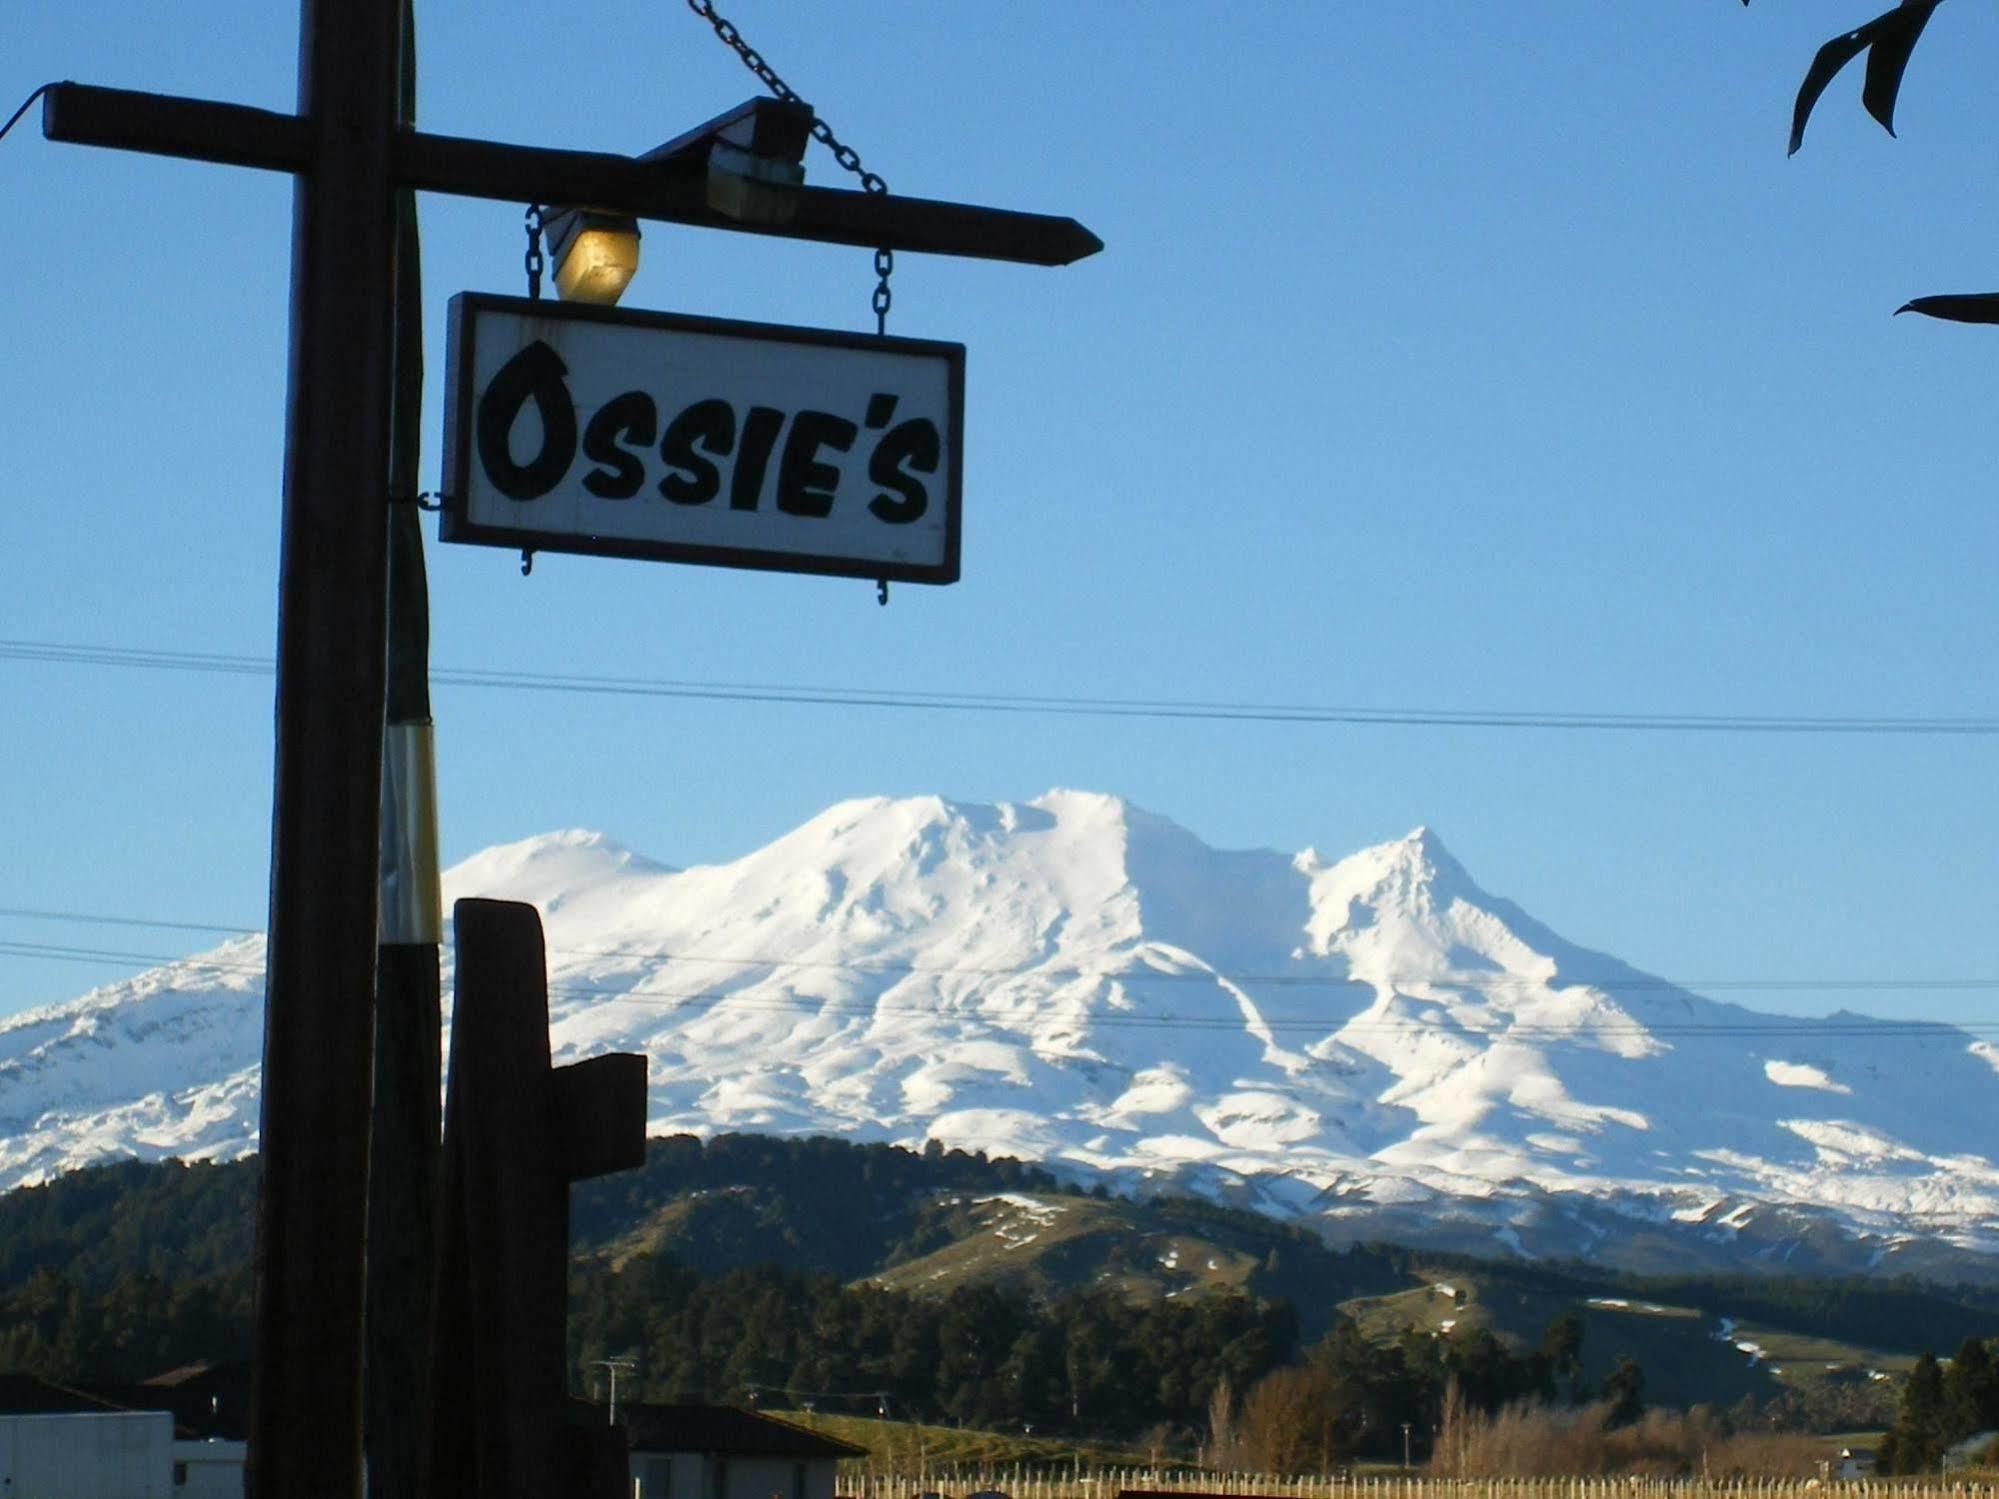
<point>571,428</point>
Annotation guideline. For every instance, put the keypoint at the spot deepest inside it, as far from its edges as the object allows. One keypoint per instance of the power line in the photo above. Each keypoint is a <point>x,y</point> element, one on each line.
<point>106,955</point>
<point>1785,1028</point>
<point>1636,983</point>
<point>15,118</point>
<point>1195,710</point>
<point>35,914</point>
<point>797,1004</point>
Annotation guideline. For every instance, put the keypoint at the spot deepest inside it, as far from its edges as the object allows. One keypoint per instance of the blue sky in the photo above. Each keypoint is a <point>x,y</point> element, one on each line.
<point>1445,356</point>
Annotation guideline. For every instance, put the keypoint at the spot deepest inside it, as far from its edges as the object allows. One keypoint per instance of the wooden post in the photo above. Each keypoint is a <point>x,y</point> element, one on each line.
<point>516,1133</point>
<point>305,1409</point>
<point>403,1144</point>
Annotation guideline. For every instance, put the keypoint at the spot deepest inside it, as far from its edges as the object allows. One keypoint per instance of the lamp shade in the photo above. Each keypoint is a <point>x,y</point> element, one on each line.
<point>595,254</point>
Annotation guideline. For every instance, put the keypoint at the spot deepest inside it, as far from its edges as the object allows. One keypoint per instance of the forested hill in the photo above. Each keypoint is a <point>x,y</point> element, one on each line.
<point>938,1219</point>
<point>165,1220</point>
<point>816,1204</point>
<point>122,1270</point>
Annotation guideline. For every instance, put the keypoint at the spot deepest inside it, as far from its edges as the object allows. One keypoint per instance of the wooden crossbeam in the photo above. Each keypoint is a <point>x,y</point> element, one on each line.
<point>667,190</point>
<point>597,1116</point>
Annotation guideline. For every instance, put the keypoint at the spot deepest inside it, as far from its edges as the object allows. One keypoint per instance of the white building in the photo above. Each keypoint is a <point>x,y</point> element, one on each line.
<point>180,1438</point>
<point>98,1454</point>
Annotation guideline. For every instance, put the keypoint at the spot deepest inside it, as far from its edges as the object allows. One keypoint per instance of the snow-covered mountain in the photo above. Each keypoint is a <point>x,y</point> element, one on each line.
<point>1371,1043</point>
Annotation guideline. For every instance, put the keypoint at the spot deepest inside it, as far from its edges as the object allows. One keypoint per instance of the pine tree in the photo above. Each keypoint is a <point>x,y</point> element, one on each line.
<point>1919,1435</point>
<point>1971,1390</point>
<point>1562,1347</point>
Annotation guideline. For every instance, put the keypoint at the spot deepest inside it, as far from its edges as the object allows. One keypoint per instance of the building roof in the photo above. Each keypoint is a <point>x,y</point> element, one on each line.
<point>725,1431</point>
<point>211,1401</point>
<point>207,1400</point>
<point>31,1395</point>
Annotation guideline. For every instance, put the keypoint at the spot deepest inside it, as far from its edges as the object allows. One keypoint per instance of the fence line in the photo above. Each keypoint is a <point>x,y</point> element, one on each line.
<point>1018,1481</point>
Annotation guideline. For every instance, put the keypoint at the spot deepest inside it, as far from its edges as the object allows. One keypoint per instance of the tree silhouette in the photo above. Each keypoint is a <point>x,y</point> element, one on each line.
<point>1971,1390</point>
<point>1562,1342</point>
<point>1921,1430</point>
<point>1888,40</point>
<point>1624,1388</point>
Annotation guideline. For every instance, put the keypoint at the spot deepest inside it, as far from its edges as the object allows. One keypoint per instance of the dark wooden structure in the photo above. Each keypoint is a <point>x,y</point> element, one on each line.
<point>349,153</point>
<point>516,1134</point>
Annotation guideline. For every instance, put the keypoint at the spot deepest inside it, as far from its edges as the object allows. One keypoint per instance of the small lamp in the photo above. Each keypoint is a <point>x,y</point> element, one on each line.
<point>595,254</point>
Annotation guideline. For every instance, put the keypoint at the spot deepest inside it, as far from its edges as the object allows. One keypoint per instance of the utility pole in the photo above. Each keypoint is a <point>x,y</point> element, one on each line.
<point>407,1120</point>
<point>305,1418</point>
<point>625,1364</point>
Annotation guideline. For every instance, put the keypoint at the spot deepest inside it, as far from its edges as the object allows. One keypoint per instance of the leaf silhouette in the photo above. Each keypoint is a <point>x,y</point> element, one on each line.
<point>1890,55</point>
<point>1967,307</point>
<point>1892,37</point>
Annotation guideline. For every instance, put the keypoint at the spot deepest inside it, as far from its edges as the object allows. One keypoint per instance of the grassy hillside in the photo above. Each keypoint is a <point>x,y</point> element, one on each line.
<point>1050,1244</point>
<point>910,1446</point>
<point>1688,1356</point>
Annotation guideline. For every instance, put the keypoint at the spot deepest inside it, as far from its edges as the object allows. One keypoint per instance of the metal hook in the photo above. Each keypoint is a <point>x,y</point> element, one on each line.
<point>881,592</point>
<point>527,561</point>
<point>431,500</point>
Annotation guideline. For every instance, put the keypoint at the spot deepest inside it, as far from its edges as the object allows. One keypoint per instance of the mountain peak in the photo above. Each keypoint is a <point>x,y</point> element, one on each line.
<point>547,868</point>
<point>1075,980</point>
<point>1424,849</point>
<point>1413,869</point>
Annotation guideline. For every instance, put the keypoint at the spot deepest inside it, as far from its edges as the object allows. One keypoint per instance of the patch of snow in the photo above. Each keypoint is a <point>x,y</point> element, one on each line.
<point>1035,1209</point>
<point>1802,1075</point>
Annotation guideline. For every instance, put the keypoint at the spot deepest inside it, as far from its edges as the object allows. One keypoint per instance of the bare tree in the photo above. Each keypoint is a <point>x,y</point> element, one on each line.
<point>1296,1420</point>
<point>1221,1447</point>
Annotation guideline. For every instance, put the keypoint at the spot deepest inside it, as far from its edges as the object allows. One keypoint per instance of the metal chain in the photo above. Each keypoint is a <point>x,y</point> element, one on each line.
<point>843,153</point>
<point>533,258</point>
<point>884,263</point>
<point>533,262</point>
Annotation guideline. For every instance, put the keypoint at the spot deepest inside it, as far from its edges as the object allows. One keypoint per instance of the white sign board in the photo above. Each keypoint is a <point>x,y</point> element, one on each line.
<point>648,434</point>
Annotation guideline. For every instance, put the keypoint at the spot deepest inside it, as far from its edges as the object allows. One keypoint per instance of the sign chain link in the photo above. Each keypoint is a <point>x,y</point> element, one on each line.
<point>843,153</point>
<point>884,264</point>
<point>533,259</point>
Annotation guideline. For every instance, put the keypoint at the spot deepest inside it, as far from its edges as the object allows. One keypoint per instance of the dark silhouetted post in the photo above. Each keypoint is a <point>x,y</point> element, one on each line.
<point>305,1437</point>
<point>516,1133</point>
<point>403,1145</point>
